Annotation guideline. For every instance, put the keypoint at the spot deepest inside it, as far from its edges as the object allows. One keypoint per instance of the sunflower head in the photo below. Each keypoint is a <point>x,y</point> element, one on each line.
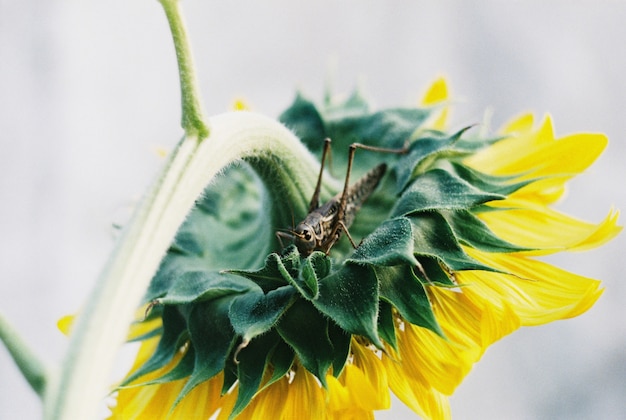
<point>445,265</point>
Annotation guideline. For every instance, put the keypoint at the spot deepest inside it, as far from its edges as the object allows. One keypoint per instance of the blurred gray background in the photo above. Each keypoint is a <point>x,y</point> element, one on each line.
<point>89,91</point>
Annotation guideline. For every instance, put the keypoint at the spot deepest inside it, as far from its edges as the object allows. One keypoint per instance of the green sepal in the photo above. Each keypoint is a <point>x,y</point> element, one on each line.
<point>349,122</point>
<point>182,370</point>
<point>474,143</point>
<point>497,184</point>
<point>197,286</point>
<point>474,232</point>
<point>277,271</point>
<point>212,338</point>
<point>255,312</point>
<point>389,128</point>
<point>353,106</point>
<point>315,267</point>
<point>303,118</point>
<point>439,189</point>
<point>400,287</point>
<point>390,244</point>
<point>341,344</point>
<point>252,362</point>
<point>157,332</point>
<point>281,360</point>
<point>311,343</point>
<point>430,271</point>
<point>386,324</point>
<point>174,336</point>
<point>350,298</point>
<point>434,238</point>
<point>423,153</point>
<point>153,312</point>
<point>230,373</point>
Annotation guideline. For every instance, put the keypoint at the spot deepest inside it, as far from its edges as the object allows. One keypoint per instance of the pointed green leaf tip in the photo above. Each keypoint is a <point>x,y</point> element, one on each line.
<point>253,313</point>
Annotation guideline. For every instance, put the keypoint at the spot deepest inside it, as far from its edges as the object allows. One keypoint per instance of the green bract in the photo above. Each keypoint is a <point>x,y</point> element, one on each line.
<point>241,304</point>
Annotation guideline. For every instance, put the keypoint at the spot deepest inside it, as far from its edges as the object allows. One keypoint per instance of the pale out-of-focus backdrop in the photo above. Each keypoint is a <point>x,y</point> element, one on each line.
<point>89,91</point>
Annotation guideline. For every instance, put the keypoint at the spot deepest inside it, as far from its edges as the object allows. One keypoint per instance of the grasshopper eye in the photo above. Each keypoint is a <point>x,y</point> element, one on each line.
<point>307,235</point>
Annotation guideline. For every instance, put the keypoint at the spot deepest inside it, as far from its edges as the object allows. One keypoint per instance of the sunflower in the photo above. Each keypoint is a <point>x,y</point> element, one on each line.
<point>448,263</point>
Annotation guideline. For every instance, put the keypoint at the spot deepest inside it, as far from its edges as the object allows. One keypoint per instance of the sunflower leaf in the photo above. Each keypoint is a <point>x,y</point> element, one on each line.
<point>233,210</point>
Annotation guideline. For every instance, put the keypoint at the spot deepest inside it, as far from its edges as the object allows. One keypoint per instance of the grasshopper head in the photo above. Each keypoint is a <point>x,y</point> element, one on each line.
<point>305,238</point>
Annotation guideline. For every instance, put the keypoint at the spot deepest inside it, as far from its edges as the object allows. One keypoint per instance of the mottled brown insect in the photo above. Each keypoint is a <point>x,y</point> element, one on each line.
<point>324,224</point>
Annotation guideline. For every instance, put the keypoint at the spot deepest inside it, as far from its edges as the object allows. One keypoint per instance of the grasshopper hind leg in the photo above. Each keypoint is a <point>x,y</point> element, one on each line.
<point>315,199</point>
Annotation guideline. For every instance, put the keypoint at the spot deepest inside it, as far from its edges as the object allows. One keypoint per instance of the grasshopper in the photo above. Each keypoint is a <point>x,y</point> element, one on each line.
<point>323,225</point>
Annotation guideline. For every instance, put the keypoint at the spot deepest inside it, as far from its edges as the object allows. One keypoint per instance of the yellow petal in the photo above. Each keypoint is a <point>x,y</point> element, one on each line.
<point>240,104</point>
<point>367,379</point>
<point>536,154</point>
<point>304,395</point>
<point>267,404</point>
<point>64,324</point>
<point>537,292</point>
<point>437,94</point>
<point>469,322</point>
<point>137,329</point>
<point>519,125</point>
<point>156,401</point>
<point>568,155</point>
<point>146,350</point>
<point>338,394</point>
<point>535,226</point>
<point>544,191</point>
<point>505,152</point>
<point>426,402</point>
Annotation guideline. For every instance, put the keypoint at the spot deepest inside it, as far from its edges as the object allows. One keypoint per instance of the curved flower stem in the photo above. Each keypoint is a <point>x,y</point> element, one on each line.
<point>29,364</point>
<point>192,119</point>
<point>101,327</point>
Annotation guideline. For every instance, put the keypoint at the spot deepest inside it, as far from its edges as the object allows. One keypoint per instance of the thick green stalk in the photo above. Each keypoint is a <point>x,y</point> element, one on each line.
<point>28,363</point>
<point>192,120</point>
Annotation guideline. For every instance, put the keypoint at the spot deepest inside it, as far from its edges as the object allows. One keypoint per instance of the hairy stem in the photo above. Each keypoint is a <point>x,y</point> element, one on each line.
<point>193,121</point>
<point>28,363</point>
